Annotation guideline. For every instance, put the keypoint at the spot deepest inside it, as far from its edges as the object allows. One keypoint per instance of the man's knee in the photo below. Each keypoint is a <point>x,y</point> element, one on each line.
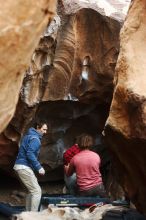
<point>36,191</point>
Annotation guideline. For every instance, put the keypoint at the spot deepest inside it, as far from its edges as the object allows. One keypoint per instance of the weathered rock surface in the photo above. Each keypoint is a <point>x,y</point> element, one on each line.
<point>21,24</point>
<point>68,120</point>
<point>83,69</point>
<point>67,65</point>
<point>126,125</point>
<point>74,61</point>
<point>42,59</point>
<point>114,9</point>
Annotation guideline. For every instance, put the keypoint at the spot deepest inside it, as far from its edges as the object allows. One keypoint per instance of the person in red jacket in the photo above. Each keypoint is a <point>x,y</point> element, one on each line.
<point>69,153</point>
<point>70,181</point>
<point>86,165</point>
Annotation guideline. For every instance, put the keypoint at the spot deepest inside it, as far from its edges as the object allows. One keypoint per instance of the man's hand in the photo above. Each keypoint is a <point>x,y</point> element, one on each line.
<point>103,133</point>
<point>42,171</point>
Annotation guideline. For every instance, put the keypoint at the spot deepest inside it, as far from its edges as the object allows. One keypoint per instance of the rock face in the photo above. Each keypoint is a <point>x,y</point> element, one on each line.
<point>70,83</point>
<point>67,65</point>
<point>113,9</point>
<point>42,59</point>
<point>22,23</point>
<point>83,69</point>
<point>74,61</point>
<point>68,119</point>
<point>126,126</point>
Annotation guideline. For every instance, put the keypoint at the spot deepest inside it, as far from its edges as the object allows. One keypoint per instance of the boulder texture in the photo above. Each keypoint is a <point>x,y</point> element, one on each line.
<point>111,8</point>
<point>126,126</point>
<point>42,59</point>
<point>68,119</point>
<point>21,24</point>
<point>67,65</point>
<point>69,83</point>
<point>66,75</point>
<point>82,68</point>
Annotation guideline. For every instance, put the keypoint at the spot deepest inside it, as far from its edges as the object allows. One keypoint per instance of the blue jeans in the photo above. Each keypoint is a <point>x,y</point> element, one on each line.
<point>71,183</point>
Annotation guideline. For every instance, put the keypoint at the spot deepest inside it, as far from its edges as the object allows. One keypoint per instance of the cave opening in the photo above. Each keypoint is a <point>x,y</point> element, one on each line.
<point>67,119</point>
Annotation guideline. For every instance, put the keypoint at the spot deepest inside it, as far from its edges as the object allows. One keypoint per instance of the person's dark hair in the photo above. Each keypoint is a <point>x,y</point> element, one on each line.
<point>86,141</point>
<point>77,139</point>
<point>39,124</point>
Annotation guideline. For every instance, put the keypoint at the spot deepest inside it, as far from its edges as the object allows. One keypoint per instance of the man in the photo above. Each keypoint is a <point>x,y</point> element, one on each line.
<point>86,165</point>
<point>27,162</point>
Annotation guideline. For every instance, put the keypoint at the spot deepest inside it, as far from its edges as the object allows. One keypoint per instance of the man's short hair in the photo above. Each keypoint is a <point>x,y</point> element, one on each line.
<point>39,124</point>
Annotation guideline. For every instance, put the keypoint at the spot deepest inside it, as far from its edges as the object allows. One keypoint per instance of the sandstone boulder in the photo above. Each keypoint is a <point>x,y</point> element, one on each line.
<point>22,23</point>
<point>126,125</point>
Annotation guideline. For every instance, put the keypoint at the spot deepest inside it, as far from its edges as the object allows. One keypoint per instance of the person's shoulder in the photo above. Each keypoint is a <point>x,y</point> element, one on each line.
<point>77,155</point>
<point>74,146</point>
<point>94,153</point>
<point>34,138</point>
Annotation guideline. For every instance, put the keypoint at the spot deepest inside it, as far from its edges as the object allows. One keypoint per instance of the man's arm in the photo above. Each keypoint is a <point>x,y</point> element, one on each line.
<point>69,169</point>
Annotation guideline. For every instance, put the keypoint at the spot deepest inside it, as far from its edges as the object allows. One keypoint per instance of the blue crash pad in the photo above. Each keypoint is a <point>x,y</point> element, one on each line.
<point>9,210</point>
<point>70,200</point>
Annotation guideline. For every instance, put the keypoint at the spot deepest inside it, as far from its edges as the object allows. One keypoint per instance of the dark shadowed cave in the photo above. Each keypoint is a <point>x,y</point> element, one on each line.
<point>67,120</point>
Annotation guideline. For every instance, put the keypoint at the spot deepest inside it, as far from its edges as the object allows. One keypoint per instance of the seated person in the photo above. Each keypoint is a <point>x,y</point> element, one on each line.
<point>70,181</point>
<point>86,165</point>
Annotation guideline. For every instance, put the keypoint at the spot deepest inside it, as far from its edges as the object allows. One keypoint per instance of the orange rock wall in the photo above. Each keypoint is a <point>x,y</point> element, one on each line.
<point>21,24</point>
<point>126,126</point>
<point>56,73</point>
